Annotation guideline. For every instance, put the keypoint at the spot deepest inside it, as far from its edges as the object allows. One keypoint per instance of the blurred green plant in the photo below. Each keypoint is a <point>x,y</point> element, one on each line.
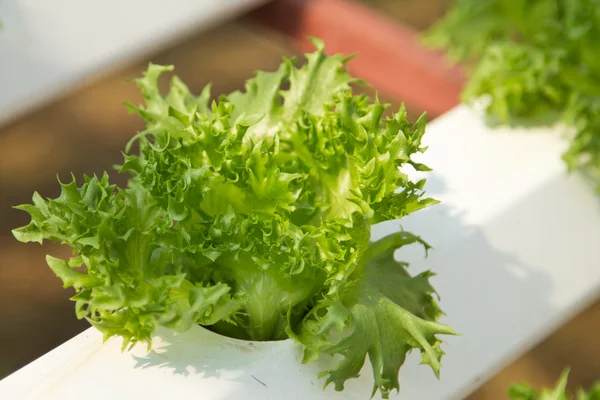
<point>523,391</point>
<point>536,62</point>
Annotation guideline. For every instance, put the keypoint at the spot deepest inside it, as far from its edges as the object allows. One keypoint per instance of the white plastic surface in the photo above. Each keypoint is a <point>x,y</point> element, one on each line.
<point>516,252</point>
<point>49,46</point>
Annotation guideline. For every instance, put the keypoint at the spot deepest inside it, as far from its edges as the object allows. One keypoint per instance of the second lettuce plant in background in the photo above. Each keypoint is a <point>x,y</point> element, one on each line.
<point>524,391</point>
<point>536,60</point>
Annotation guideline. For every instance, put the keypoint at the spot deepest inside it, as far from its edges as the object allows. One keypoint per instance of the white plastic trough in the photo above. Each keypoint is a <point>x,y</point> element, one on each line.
<point>517,250</point>
<point>49,47</point>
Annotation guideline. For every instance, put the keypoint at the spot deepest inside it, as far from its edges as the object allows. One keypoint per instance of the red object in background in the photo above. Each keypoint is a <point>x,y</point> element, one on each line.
<point>390,56</point>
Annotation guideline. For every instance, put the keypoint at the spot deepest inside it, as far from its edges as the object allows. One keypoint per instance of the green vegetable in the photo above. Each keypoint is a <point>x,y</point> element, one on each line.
<point>537,62</point>
<point>524,391</point>
<point>252,216</point>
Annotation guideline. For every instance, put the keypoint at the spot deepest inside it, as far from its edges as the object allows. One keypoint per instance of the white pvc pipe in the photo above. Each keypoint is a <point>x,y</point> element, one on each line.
<point>516,250</point>
<point>49,46</point>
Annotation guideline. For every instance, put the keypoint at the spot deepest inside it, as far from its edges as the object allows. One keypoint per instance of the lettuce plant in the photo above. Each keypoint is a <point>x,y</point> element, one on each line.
<point>536,61</point>
<point>524,391</point>
<point>252,215</point>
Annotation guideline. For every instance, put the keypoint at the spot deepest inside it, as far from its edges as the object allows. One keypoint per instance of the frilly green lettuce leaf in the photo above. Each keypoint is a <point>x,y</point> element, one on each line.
<point>126,283</point>
<point>382,312</point>
<point>521,81</point>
